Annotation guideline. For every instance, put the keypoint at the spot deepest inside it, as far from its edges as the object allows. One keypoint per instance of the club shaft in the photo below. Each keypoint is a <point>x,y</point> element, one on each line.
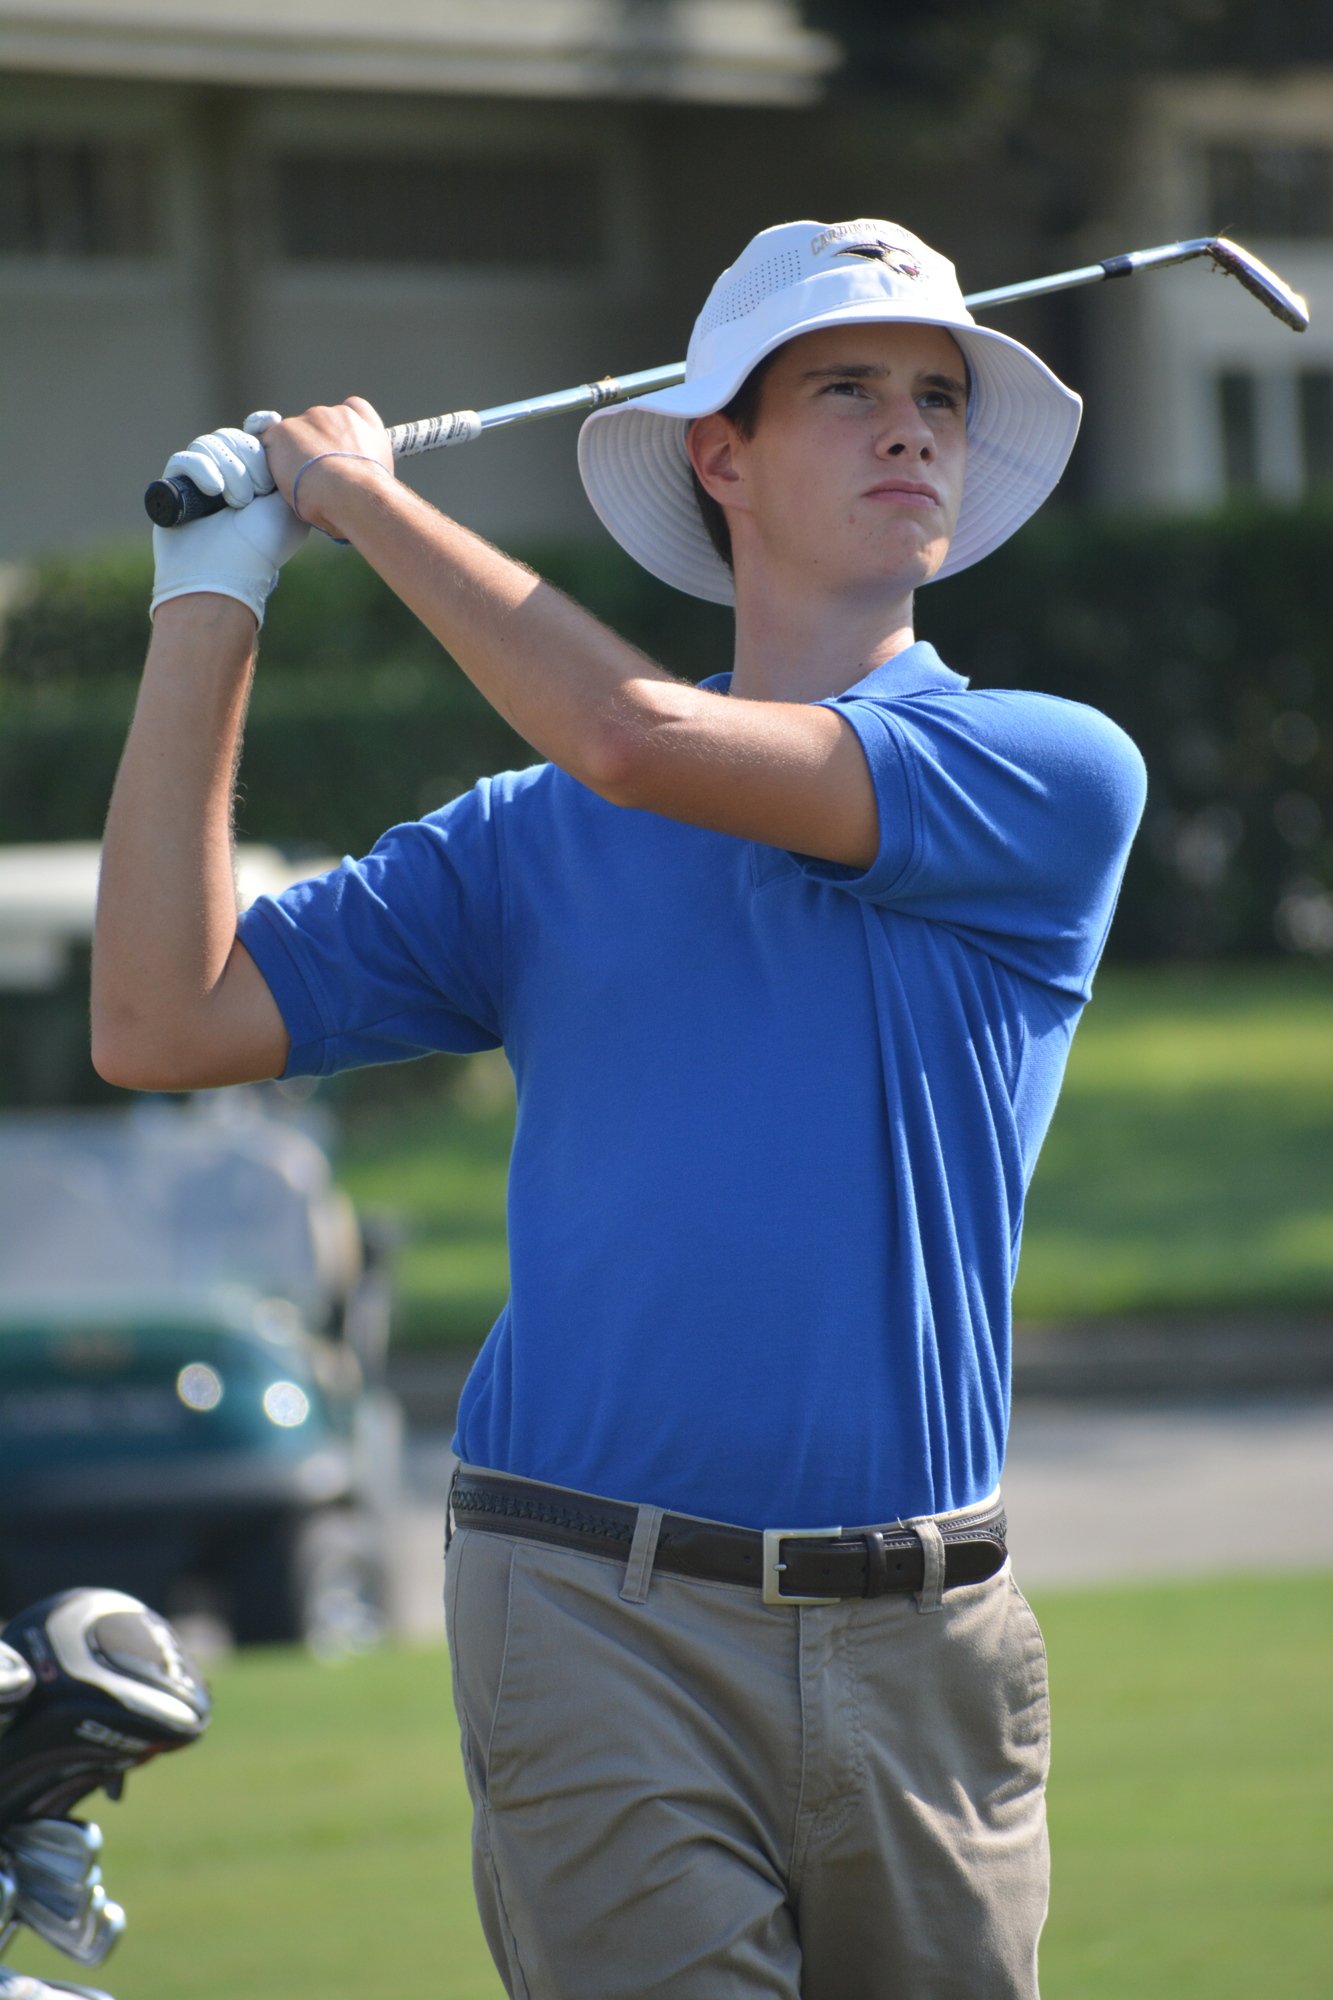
<point>462,426</point>
<point>1095,274</point>
<point>172,502</point>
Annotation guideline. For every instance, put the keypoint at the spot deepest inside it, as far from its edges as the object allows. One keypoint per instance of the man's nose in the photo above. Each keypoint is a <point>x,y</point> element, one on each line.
<point>906,434</point>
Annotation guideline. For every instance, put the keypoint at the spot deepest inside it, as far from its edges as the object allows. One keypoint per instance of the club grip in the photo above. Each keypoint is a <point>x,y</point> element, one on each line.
<point>172,503</point>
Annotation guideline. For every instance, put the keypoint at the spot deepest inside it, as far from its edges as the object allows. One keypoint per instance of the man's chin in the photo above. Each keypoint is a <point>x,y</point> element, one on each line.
<point>907,568</point>
<point>931,558</point>
<point>896,562</point>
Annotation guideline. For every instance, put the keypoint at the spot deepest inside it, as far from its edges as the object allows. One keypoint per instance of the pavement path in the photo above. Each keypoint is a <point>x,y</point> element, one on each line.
<point>1096,1493</point>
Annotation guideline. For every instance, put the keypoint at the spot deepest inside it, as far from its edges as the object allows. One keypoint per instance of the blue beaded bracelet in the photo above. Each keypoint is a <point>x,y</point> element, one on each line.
<point>319,455</point>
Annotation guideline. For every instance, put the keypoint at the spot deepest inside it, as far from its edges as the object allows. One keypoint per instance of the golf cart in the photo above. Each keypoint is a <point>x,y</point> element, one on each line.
<point>186,1329</point>
<point>191,1339</point>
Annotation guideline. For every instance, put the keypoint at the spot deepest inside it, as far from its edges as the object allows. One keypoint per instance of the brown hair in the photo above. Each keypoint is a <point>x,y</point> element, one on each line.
<point>743,412</point>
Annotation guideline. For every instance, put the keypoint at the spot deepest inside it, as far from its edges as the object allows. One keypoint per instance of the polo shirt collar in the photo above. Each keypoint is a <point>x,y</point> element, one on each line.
<point>918,670</point>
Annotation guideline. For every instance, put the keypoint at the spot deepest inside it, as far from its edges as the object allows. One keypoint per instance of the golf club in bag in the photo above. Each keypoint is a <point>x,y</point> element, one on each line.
<point>171,503</point>
<point>92,1684</point>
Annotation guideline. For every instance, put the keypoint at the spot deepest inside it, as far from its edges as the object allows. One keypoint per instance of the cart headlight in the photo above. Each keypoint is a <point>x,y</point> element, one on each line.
<point>199,1386</point>
<point>286,1405</point>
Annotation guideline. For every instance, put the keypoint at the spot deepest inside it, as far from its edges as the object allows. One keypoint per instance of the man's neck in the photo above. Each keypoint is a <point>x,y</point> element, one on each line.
<point>804,650</point>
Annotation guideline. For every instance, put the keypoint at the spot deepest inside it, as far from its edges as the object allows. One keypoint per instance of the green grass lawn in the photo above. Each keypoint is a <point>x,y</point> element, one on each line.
<point>314,1845</point>
<point>1192,1791</point>
<point>1189,1166</point>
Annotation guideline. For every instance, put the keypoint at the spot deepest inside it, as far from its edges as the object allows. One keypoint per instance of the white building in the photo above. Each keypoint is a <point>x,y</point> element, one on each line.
<point>1197,391</point>
<point>208,206</point>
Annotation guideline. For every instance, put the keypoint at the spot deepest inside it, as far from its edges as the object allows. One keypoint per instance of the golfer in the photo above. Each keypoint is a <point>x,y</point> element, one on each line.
<point>787,967</point>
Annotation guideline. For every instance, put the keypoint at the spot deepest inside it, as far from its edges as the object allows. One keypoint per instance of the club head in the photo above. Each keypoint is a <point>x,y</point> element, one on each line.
<point>1266,285</point>
<point>59,1887</point>
<point>56,1862</point>
<point>86,1938</point>
<point>70,1848</point>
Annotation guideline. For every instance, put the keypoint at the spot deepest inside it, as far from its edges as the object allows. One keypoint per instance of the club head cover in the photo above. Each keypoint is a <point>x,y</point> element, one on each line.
<point>112,1687</point>
<point>17,1681</point>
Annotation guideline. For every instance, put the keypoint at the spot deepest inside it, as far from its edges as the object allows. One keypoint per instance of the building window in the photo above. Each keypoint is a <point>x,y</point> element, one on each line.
<point>1271,190</point>
<point>1316,418</point>
<point>80,200</point>
<point>535,214</point>
<point>1276,431</point>
<point>1237,402</point>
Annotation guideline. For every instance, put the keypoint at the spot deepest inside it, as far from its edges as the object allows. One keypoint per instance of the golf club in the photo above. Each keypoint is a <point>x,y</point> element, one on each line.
<point>92,1685</point>
<point>171,503</point>
<point>111,1689</point>
<point>55,1867</point>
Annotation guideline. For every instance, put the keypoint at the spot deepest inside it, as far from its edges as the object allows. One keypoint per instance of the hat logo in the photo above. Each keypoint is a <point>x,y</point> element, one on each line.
<point>891,255</point>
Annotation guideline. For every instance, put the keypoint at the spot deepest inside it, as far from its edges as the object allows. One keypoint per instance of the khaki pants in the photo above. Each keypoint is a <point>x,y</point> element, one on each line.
<point>702,1796</point>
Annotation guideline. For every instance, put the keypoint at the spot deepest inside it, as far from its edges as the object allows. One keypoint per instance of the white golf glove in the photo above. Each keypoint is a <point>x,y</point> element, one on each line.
<point>238,552</point>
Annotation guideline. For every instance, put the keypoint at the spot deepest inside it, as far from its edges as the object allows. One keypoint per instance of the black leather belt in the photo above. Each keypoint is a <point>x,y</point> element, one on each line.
<point>789,1565</point>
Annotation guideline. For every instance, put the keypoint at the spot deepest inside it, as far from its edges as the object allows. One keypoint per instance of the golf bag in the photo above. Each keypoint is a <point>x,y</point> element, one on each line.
<point>92,1684</point>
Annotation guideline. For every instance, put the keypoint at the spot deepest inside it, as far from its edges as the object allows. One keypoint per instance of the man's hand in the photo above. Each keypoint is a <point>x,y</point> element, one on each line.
<point>233,554</point>
<point>350,431</point>
<point>228,462</point>
<point>237,553</point>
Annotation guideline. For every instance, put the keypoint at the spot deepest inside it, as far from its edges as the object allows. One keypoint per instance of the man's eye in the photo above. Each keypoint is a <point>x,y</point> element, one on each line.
<point>938,399</point>
<point>844,389</point>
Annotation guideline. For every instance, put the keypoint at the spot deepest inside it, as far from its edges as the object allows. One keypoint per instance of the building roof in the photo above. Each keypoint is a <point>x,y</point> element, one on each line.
<point>712,51</point>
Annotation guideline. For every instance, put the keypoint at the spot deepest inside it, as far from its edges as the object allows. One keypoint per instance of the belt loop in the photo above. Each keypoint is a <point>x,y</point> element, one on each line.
<point>930,1597</point>
<point>642,1556</point>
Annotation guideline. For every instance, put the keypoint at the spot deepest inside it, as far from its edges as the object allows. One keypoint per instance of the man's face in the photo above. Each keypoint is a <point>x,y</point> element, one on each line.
<point>854,474</point>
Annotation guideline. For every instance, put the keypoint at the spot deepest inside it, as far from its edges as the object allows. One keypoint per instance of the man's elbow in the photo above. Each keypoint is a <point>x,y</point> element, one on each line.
<point>132,1064</point>
<point>134,1056</point>
<point>621,760</point>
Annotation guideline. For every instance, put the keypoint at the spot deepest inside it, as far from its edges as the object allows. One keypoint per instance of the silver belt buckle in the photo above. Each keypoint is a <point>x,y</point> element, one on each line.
<point>773,1567</point>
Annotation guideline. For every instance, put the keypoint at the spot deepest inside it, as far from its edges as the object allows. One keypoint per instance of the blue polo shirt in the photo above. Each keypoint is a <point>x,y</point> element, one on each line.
<point>776,1117</point>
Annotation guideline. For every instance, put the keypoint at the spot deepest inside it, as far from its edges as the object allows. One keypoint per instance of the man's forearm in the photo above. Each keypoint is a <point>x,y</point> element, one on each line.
<point>562,679</point>
<point>165,1012</point>
<point>790,775</point>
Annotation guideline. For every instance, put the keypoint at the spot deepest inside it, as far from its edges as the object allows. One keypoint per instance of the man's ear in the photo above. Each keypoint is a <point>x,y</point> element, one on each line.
<point>711,443</point>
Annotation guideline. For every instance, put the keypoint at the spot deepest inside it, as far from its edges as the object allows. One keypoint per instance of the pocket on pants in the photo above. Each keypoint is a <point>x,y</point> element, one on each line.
<point>585,1700</point>
<point>548,1683</point>
<point>1038,1694</point>
<point>476,1595</point>
<point>979,1686</point>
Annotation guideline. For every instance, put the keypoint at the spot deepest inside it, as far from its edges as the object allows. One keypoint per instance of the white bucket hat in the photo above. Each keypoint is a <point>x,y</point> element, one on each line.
<point>801,276</point>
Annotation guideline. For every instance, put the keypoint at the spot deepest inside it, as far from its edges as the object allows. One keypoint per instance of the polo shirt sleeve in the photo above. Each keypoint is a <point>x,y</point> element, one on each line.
<point>1004,815</point>
<point>395,956</point>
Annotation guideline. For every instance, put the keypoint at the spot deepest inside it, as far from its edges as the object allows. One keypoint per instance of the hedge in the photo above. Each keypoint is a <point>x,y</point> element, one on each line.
<point>1210,640</point>
<point>358,718</point>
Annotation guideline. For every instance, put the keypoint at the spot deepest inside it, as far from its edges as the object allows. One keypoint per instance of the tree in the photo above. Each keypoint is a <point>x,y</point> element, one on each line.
<point>1036,91</point>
